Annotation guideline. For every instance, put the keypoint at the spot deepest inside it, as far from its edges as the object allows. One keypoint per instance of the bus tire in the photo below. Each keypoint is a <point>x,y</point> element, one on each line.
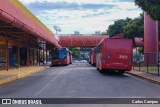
<point>121,72</point>
<point>94,64</point>
<point>97,69</point>
<point>101,70</point>
<point>52,66</point>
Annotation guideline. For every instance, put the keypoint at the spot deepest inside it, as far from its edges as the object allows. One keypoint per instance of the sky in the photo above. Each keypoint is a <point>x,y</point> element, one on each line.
<point>84,16</point>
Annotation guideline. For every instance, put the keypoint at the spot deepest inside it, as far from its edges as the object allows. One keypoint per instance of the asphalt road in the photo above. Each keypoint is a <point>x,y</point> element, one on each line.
<point>79,80</point>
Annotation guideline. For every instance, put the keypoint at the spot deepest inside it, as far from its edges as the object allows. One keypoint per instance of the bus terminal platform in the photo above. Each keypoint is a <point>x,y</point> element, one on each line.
<point>15,74</point>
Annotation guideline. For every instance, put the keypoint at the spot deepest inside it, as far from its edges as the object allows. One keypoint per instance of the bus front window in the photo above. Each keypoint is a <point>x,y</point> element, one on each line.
<point>62,53</point>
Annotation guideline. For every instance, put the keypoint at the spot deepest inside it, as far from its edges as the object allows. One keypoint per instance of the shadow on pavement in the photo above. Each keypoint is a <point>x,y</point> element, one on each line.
<point>113,74</point>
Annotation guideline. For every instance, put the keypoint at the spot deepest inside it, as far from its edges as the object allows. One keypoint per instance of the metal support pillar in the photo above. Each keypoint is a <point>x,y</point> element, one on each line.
<point>150,40</point>
<point>18,54</point>
<point>43,55</point>
<point>33,56</point>
<point>7,56</point>
<point>46,57</point>
<point>28,59</point>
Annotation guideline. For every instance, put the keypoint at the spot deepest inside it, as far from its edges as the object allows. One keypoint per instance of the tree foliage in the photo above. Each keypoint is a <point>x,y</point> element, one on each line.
<point>141,49</point>
<point>75,52</point>
<point>117,27</point>
<point>135,28</point>
<point>130,27</point>
<point>152,7</point>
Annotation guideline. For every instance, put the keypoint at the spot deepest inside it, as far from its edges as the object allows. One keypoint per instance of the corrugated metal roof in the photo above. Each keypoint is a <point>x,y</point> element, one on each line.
<point>28,13</point>
<point>12,14</point>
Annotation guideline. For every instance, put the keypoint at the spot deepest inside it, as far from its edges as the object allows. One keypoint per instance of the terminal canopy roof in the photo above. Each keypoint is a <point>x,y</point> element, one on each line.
<point>14,13</point>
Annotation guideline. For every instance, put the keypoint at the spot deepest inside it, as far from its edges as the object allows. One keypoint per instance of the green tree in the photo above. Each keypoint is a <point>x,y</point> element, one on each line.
<point>152,7</point>
<point>117,27</point>
<point>140,49</point>
<point>76,52</point>
<point>135,28</point>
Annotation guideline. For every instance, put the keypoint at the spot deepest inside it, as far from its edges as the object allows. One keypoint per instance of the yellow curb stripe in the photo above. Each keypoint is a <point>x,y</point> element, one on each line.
<point>21,75</point>
<point>7,80</point>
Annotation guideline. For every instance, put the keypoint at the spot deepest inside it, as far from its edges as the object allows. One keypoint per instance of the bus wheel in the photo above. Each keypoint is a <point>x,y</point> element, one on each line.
<point>101,70</point>
<point>94,64</point>
<point>121,72</point>
<point>52,66</point>
<point>97,69</point>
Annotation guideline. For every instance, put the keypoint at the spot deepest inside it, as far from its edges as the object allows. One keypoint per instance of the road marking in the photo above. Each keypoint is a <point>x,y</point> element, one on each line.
<point>51,81</point>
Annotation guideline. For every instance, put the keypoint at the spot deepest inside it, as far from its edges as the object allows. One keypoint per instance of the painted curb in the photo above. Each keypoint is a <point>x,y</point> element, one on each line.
<point>144,78</point>
<point>7,80</point>
<point>19,76</point>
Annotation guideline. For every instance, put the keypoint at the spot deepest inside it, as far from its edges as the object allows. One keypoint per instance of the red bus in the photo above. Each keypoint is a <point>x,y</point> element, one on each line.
<point>61,56</point>
<point>114,55</point>
<point>93,57</point>
<point>89,60</point>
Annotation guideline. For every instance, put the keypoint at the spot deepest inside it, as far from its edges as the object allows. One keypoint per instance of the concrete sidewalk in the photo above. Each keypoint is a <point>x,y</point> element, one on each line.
<point>14,74</point>
<point>150,77</point>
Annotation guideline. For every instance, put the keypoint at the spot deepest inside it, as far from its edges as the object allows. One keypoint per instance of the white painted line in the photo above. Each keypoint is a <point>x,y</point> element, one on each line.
<point>51,81</point>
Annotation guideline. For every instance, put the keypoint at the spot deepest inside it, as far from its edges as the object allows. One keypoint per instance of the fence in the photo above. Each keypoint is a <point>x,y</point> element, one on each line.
<point>147,62</point>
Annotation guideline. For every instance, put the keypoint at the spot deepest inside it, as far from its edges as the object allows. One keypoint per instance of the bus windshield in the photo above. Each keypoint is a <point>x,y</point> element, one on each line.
<point>62,53</point>
<point>59,54</point>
